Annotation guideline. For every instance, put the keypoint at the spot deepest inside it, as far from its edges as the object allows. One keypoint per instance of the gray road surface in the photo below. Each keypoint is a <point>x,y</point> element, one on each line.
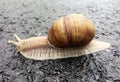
<point>29,18</point>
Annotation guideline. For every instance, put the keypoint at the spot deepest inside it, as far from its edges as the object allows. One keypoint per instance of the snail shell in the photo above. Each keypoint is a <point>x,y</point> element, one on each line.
<point>71,30</point>
<point>42,48</point>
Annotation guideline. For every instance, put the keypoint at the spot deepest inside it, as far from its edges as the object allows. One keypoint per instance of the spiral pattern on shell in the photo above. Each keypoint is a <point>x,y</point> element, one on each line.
<point>71,30</point>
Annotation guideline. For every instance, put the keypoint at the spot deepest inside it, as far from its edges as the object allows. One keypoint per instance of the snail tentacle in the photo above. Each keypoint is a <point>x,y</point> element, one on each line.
<point>12,42</point>
<point>17,38</point>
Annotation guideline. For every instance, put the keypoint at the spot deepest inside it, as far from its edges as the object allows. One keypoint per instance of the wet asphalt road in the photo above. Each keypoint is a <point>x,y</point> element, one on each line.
<point>29,18</point>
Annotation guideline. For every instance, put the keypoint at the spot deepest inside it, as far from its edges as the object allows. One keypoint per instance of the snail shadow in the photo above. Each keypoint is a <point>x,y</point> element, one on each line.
<point>82,67</point>
<point>81,62</point>
<point>73,64</point>
<point>77,65</point>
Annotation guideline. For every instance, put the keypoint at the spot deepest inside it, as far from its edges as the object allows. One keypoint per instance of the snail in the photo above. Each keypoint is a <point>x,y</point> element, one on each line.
<point>69,36</point>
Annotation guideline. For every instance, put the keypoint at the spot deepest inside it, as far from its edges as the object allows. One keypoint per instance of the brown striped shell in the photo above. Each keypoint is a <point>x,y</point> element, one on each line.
<point>71,30</point>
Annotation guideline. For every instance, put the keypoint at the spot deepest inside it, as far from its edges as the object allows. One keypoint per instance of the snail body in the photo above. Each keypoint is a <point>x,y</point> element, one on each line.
<point>69,36</point>
<point>71,30</point>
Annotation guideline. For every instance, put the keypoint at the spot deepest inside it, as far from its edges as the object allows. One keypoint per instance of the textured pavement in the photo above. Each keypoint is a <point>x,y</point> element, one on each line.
<point>29,18</point>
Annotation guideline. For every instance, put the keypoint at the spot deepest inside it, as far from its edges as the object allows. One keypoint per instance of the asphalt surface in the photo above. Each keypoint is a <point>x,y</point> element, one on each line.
<point>28,18</point>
